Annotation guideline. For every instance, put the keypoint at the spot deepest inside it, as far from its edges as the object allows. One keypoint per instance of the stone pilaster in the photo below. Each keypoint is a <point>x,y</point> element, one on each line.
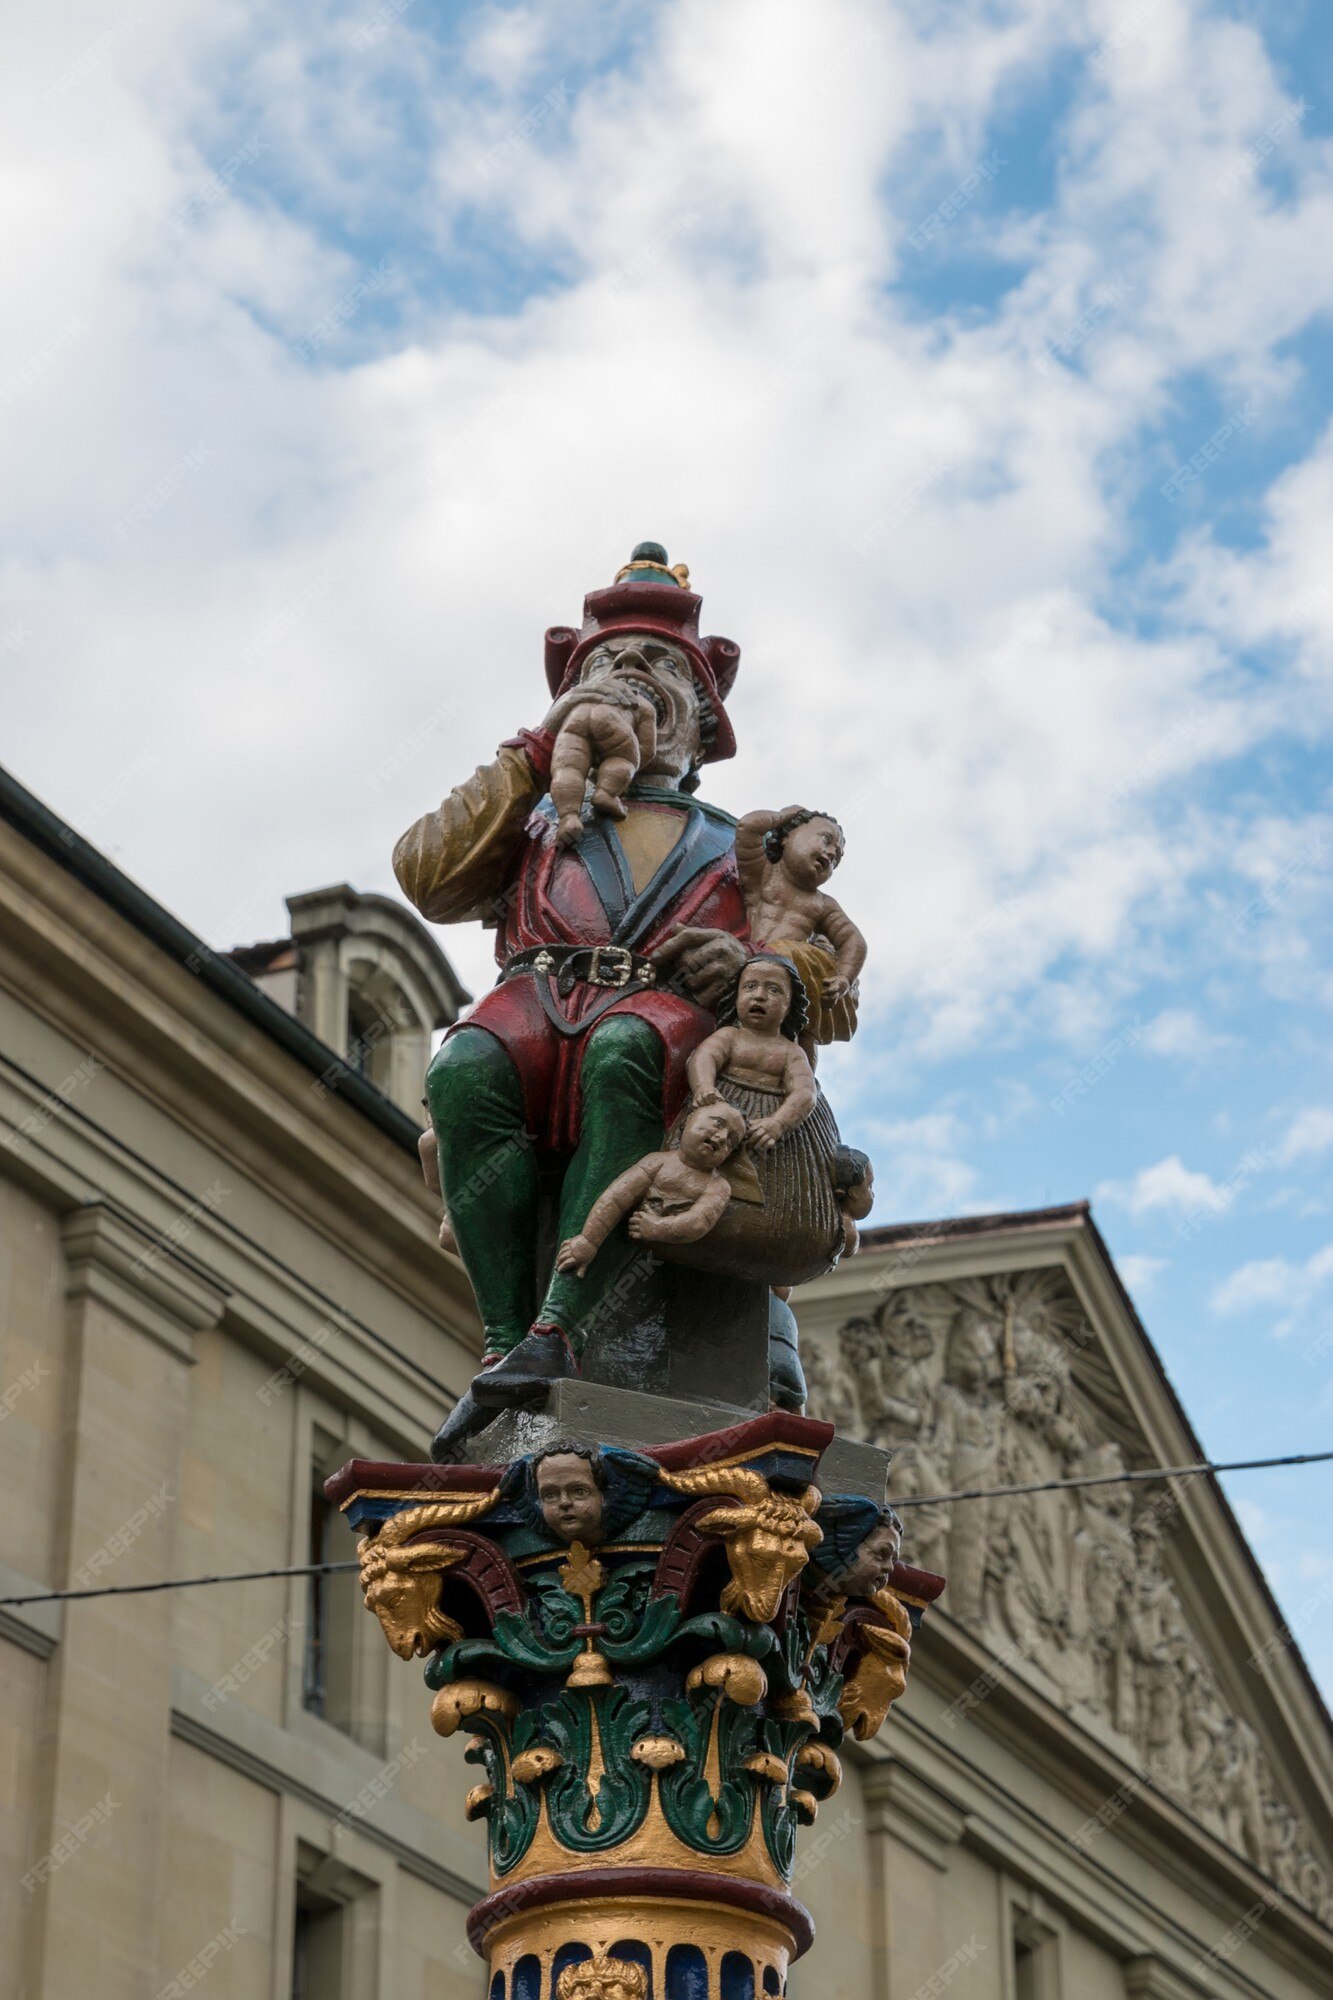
<point>135,1303</point>
<point>903,1809</point>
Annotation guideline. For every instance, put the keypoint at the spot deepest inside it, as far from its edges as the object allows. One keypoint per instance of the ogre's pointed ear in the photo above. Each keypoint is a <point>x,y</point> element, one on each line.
<point>560,643</point>
<point>724,657</point>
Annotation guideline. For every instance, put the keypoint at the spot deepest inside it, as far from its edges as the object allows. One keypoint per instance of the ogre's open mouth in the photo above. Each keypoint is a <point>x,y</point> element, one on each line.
<point>647,685</point>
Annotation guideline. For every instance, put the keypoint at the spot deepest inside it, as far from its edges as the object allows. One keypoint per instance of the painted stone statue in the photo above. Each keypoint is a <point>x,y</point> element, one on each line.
<point>654,1650</point>
<point>622,926</point>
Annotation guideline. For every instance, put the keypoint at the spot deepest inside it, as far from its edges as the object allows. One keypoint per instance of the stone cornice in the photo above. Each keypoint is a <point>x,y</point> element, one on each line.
<point>1015,1834</point>
<point>1075,1764</point>
<point>68,1161</point>
<point>1149,1978</point>
<point>78,964</point>
<point>148,1280</point>
<point>901,1803</point>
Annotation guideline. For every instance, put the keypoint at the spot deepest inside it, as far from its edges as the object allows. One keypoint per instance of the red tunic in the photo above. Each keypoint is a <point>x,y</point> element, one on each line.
<point>583,896</point>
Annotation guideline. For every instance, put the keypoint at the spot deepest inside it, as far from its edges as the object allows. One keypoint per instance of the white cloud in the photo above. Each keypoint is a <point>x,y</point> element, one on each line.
<point>1138,1271</point>
<point>1168,1185</point>
<point>909,526</point>
<point>1311,1131</point>
<point>1179,1032</point>
<point>919,1167</point>
<point>1274,1281</point>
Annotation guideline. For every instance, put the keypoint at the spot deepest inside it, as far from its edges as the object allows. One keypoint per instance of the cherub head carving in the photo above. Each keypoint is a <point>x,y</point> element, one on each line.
<point>570,1481</point>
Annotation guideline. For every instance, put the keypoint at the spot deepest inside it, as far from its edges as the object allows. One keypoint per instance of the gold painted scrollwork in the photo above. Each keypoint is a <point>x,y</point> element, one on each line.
<point>739,1677</point>
<point>602,1978</point>
<point>768,1537</point>
<point>462,1700</point>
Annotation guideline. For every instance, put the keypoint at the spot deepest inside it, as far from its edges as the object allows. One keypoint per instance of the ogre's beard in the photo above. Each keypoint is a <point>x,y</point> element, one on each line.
<point>665,675</point>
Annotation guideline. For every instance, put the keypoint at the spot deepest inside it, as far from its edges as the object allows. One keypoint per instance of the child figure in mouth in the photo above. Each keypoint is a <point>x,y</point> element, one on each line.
<point>672,1197</point>
<point>615,736</point>
<point>784,859</point>
<point>757,1048</point>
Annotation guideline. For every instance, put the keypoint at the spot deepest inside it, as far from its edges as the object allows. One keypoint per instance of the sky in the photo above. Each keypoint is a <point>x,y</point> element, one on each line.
<point>975,354</point>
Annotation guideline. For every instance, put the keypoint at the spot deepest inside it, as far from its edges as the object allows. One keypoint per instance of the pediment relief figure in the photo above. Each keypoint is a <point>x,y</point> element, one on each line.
<point>1001,1382</point>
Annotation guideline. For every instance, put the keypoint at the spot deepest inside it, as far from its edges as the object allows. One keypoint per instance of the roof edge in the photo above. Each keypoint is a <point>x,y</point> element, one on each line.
<point>49,833</point>
<point>952,1226</point>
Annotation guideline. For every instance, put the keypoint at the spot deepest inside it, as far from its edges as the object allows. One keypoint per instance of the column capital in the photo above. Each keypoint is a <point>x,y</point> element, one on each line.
<point>145,1278</point>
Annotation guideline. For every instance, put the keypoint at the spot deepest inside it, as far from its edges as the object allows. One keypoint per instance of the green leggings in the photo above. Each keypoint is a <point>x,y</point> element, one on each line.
<point>489,1172</point>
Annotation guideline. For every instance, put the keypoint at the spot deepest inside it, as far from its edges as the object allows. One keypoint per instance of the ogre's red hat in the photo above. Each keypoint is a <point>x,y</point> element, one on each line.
<point>648,597</point>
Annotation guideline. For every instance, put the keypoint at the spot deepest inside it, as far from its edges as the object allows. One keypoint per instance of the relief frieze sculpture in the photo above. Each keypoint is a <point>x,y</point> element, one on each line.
<point>999,1382</point>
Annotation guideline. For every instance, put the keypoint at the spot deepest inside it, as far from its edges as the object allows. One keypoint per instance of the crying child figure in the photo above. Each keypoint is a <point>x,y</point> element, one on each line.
<point>609,741</point>
<point>784,860</point>
<point>758,1049</point>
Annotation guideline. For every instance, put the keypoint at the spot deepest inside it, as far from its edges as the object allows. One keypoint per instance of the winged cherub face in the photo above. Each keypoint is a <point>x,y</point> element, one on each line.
<point>569,1497</point>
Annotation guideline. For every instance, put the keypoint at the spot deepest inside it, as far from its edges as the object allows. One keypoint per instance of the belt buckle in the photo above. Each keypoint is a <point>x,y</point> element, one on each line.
<point>623,970</point>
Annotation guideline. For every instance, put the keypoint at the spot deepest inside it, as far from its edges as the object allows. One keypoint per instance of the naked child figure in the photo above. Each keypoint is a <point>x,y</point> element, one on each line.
<point>670,1197</point>
<point>758,1049</point>
<point>784,859</point>
<point>608,741</point>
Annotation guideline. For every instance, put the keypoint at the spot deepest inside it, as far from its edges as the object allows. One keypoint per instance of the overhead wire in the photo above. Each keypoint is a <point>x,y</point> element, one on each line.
<point>1113,1479</point>
<point>911,1500</point>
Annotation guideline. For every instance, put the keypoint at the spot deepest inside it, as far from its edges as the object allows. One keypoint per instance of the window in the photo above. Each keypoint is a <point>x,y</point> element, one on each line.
<point>366,1031</point>
<point>317,1946</point>
<point>340,1679</point>
<point>1036,1959</point>
<point>1025,1971</point>
<point>314,1682</point>
<point>335,1930</point>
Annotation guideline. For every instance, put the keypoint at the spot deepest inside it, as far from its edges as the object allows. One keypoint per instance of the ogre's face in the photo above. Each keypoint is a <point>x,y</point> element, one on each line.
<point>569,1497</point>
<point>664,675</point>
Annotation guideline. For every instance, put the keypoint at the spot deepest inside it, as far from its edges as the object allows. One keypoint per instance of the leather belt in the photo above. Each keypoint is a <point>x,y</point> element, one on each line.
<point>606,965</point>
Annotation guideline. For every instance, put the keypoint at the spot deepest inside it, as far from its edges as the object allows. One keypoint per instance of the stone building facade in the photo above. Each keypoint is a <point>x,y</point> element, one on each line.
<point>219,1278</point>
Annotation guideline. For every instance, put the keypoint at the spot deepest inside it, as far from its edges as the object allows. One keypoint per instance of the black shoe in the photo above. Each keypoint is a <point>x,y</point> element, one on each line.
<point>446,1447</point>
<point>521,1380</point>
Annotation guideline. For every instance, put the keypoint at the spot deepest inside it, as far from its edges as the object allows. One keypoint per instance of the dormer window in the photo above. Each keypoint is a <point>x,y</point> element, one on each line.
<point>368,978</point>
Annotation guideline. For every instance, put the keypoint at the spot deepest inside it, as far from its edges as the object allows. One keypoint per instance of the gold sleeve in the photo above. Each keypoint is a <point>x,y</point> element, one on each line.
<point>454,862</point>
<point>816,963</point>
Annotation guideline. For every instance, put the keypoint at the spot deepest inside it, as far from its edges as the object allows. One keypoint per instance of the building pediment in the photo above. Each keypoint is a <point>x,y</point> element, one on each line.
<point>1099,1599</point>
